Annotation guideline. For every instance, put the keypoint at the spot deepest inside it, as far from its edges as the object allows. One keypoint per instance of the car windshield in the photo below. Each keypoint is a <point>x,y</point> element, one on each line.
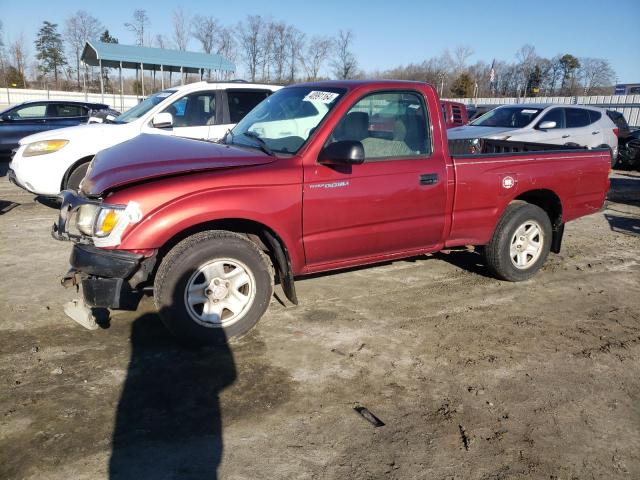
<point>284,121</point>
<point>144,106</point>
<point>510,117</point>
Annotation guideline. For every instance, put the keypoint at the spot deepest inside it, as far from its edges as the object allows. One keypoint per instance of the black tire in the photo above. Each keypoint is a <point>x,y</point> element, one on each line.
<point>181,264</point>
<point>497,252</point>
<point>76,176</point>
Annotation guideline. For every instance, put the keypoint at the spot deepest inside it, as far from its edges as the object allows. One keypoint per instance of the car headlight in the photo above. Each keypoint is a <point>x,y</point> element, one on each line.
<point>98,221</point>
<point>43,147</point>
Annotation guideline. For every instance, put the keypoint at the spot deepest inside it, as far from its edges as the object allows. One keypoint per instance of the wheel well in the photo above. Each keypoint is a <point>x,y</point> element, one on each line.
<point>551,204</point>
<point>547,201</point>
<point>262,236</point>
<point>75,165</point>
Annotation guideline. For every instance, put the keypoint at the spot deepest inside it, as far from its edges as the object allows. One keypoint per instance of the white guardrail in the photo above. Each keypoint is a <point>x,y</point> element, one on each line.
<point>628,105</point>
<point>13,96</point>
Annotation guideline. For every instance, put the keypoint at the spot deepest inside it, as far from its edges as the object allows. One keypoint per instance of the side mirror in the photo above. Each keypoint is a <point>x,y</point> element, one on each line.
<point>547,125</point>
<point>162,120</point>
<point>346,152</point>
<point>6,117</point>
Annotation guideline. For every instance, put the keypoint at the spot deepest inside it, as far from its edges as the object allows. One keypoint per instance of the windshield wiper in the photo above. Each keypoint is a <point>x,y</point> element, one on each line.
<point>261,143</point>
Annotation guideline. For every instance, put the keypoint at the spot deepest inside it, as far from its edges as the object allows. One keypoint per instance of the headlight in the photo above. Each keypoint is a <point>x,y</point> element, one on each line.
<point>98,221</point>
<point>86,218</point>
<point>43,147</point>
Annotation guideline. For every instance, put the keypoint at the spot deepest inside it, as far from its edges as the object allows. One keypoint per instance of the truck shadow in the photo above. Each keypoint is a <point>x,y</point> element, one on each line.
<point>168,422</point>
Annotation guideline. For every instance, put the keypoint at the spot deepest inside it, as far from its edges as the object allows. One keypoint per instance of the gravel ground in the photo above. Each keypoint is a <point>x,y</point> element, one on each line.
<point>473,378</point>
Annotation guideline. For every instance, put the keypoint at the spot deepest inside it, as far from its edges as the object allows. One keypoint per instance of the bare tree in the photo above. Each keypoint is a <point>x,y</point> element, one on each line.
<point>345,64</point>
<point>317,52</point>
<point>205,30</point>
<point>267,45</point>
<point>78,29</point>
<point>161,41</point>
<point>295,46</point>
<point>279,56</point>
<point>594,73</point>
<point>460,56</point>
<point>527,61</point>
<point>181,32</point>
<point>19,54</point>
<point>138,25</point>
<point>249,37</point>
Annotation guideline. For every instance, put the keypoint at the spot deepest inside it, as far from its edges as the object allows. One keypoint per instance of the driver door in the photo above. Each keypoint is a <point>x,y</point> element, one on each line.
<point>394,202</point>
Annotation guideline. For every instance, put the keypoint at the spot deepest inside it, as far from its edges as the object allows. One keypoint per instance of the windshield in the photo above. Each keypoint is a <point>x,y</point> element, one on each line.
<point>510,117</point>
<point>144,106</point>
<point>284,121</point>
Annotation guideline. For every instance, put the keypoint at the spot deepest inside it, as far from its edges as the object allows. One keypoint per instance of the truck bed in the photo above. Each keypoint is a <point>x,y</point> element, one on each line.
<point>580,177</point>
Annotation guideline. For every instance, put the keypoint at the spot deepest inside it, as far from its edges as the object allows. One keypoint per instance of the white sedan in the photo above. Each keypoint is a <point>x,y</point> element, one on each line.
<point>49,162</point>
<point>544,123</point>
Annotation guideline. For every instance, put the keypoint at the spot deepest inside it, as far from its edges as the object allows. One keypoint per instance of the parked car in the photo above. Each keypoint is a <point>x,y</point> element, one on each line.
<point>303,184</point>
<point>628,142</point>
<point>38,116</point>
<point>455,113</point>
<point>49,162</point>
<point>544,123</point>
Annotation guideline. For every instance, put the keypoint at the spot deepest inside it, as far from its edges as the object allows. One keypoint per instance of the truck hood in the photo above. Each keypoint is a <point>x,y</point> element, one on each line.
<point>469,131</point>
<point>152,156</point>
<point>85,132</point>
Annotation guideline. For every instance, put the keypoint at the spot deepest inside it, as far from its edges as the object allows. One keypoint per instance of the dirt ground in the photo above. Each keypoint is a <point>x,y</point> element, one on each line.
<point>474,378</point>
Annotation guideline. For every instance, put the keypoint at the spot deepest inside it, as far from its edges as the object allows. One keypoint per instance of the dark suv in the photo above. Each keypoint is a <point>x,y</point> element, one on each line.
<point>37,116</point>
<point>628,142</point>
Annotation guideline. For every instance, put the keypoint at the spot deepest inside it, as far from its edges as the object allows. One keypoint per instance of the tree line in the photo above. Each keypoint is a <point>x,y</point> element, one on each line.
<point>274,51</point>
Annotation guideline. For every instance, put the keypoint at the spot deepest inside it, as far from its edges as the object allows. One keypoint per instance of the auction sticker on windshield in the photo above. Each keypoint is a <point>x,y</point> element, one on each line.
<point>318,96</point>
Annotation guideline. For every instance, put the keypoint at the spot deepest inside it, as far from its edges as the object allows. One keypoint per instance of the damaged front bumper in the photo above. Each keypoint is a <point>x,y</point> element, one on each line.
<point>109,278</point>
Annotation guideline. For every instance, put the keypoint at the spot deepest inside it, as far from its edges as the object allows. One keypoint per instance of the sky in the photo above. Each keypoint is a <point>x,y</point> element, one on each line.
<point>389,33</point>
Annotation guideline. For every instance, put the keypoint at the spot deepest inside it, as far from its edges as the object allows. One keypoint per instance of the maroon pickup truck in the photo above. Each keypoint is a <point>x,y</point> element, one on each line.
<point>305,184</point>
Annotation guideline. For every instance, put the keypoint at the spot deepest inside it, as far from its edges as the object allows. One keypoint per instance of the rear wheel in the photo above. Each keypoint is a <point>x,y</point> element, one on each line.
<point>76,176</point>
<point>213,286</point>
<point>521,242</point>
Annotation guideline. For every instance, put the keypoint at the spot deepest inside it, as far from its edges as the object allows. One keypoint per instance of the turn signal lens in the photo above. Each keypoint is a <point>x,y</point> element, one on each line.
<point>107,220</point>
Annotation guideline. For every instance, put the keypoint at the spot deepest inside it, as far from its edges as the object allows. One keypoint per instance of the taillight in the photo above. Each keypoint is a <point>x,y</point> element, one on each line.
<point>615,131</point>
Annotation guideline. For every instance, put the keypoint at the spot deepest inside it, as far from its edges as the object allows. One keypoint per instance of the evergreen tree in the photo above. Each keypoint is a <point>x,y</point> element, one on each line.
<point>106,38</point>
<point>50,51</point>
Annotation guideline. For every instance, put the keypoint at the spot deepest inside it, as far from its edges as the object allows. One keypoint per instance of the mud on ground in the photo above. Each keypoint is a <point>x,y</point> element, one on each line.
<point>473,377</point>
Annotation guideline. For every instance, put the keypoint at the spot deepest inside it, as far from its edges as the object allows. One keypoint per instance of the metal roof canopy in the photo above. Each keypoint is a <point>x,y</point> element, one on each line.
<point>115,55</point>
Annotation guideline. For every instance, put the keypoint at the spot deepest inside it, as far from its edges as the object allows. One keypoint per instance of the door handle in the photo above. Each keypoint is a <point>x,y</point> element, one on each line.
<point>428,179</point>
<point>566,136</point>
<point>594,133</point>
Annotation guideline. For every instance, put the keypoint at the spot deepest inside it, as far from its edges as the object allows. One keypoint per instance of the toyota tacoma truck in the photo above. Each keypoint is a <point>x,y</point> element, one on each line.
<point>313,179</point>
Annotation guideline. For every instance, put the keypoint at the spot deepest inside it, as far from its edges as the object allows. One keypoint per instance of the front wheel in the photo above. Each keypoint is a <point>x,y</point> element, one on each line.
<point>521,242</point>
<point>76,176</point>
<point>213,286</point>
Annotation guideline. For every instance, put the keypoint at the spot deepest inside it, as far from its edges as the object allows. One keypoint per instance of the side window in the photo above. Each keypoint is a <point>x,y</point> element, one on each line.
<point>594,116</point>
<point>66,110</point>
<point>31,111</point>
<point>389,125</point>
<point>194,110</point>
<point>577,117</point>
<point>554,115</point>
<point>242,102</point>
